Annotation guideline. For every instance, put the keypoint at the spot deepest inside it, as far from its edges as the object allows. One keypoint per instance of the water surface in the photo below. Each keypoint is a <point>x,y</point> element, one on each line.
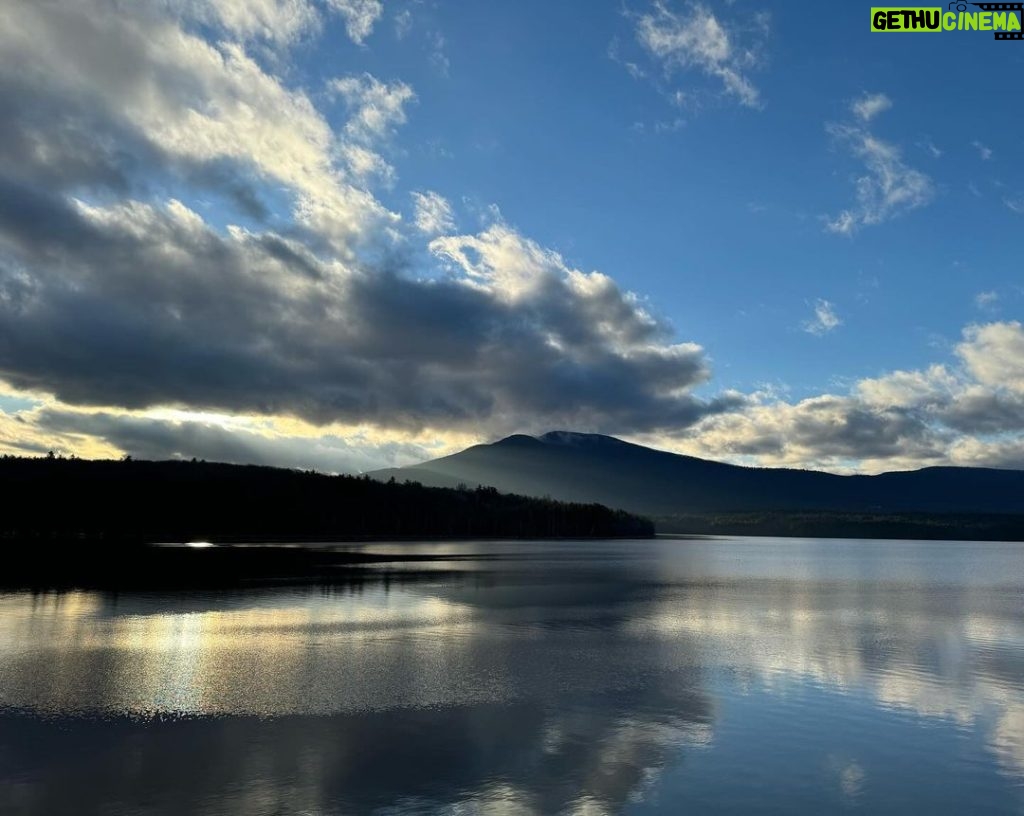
<point>751,675</point>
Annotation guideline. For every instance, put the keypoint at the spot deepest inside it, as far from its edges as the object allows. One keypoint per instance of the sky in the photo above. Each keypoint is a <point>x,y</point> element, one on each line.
<point>352,234</point>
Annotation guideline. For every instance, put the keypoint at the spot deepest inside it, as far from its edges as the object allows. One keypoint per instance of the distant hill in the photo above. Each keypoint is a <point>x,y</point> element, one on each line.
<point>63,501</point>
<point>593,468</point>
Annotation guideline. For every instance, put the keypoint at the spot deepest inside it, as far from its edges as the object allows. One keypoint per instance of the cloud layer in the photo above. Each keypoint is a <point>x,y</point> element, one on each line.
<point>115,294</point>
<point>185,228</point>
<point>969,412</point>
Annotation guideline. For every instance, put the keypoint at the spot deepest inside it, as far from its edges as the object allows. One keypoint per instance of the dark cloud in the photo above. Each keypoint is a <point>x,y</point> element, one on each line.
<point>985,412</point>
<point>826,432</point>
<point>139,306</point>
<point>1007,453</point>
<point>56,138</point>
<point>838,427</point>
<point>131,300</point>
<point>159,439</point>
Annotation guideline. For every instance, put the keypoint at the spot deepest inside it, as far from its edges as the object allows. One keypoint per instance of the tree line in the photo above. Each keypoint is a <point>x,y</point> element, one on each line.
<point>66,500</point>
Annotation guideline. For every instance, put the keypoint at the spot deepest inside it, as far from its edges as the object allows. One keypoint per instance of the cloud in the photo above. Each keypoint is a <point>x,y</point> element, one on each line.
<point>403,23</point>
<point>984,151</point>
<point>114,294</point>
<point>994,355</point>
<point>825,319</point>
<point>438,55</point>
<point>889,187</point>
<point>36,426</point>
<point>969,413</point>
<point>698,39</point>
<point>870,105</point>
<point>433,213</point>
<point>131,102</point>
<point>226,440</point>
<point>827,431</point>
<point>614,54</point>
<point>986,300</point>
<point>360,16</point>
<point>281,22</point>
<point>366,165</point>
<point>307,304</point>
<point>253,322</point>
<point>376,107</point>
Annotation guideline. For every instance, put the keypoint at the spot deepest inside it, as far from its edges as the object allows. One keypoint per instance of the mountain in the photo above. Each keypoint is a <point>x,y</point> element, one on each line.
<point>594,468</point>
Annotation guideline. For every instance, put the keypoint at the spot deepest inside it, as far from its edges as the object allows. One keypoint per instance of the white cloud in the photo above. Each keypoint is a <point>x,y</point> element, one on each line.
<point>908,389</point>
<point>932,148</point>
<point>697,38</point>
<point>438,54</point>
<point>433,213</point>
<point>994,355</point>
<point>145,83</point>
<point>366,165</point>
<point>984,151</point>
<point>870,105</point>
<point>403,23</point>
<point>360,16</point>
<point>277,21</point>
<point>970,413</point>
<point>634,70</point>
<point>376,107</point>
<point>825,319</point>
<point>986,300</point>
<point>888,188</point>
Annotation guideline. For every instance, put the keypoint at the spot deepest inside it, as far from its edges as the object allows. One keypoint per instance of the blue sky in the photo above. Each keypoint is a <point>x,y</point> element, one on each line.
<point>755,232</point>
<point>719,223</point>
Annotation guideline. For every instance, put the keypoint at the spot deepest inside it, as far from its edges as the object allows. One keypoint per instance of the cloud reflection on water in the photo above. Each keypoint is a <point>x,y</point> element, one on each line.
<point>569,684</point>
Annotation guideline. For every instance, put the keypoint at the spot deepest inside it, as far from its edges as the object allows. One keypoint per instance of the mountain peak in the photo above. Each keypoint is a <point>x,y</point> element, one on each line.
<point>577,439</point>
<point>515,440</point>
<point>573,439</point>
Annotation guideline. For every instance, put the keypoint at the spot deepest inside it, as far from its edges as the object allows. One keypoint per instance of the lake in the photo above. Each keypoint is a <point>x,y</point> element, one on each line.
<point>667,676</point>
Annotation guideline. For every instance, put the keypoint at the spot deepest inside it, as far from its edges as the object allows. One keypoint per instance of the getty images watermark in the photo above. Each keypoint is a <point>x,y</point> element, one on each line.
<point>1003,19</point>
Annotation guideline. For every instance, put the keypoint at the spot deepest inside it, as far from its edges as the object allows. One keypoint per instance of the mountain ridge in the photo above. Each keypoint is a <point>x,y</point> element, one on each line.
<point>573,466</point>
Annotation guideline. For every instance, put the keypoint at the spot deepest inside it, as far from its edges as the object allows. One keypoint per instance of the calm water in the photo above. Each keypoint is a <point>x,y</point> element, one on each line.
<point>747,676</point>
